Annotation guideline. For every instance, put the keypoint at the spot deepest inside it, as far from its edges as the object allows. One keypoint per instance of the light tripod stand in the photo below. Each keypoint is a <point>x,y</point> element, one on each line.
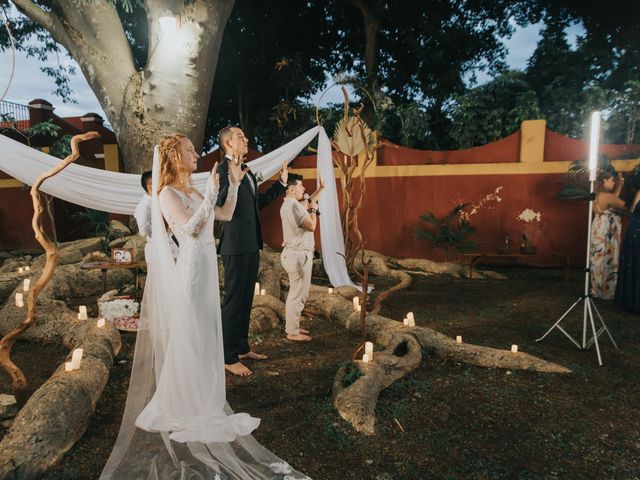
<point>589,306</point>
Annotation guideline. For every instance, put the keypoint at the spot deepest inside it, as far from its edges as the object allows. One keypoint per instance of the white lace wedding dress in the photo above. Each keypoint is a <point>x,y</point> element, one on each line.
<point>185,429</point>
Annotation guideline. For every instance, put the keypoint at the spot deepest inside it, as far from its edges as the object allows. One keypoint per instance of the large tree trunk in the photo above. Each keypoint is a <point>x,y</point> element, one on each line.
<point>172,92</point>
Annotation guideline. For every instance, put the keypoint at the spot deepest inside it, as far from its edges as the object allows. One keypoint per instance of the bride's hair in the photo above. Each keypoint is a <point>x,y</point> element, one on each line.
<point>171,166</point>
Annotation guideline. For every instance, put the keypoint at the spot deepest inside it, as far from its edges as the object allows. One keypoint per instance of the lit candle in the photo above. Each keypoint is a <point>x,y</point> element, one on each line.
<point>368,349</point>
<point>458,339</point>
<point>256,290</point>
<point>358,308</point>
<point>263,291</point>
<point>514,348</point>
<point>330,290</point>
<point>20,270</point>
<point>19,300</point>
<point>365,358</point>
<point>406,321</point>
<point>26,284</point>
<point>68,366</point>
<point>76,358</point>
<point>356,301</point>
<point>101,323</point>
<point>27,268</point>
<point>411,318</point>
<point>82,315</point>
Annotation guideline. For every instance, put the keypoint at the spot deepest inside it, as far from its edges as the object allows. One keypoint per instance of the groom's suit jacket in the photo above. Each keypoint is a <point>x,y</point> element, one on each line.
<point>242,234</point>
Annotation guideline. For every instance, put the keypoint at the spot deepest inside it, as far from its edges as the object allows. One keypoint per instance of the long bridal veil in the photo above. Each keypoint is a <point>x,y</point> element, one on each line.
<point>211,445</point>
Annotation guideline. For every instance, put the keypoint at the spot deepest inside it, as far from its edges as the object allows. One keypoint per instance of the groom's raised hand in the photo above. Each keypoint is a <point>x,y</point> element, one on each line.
<point>236,173</point>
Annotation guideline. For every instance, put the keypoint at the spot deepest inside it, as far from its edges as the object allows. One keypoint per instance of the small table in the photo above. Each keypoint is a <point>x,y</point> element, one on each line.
<point>476,256</point>
<point>104,266</point>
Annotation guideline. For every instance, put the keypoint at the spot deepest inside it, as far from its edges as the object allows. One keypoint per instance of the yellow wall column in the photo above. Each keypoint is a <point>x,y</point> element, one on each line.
<point>532,133</point>
<point>111,158</point>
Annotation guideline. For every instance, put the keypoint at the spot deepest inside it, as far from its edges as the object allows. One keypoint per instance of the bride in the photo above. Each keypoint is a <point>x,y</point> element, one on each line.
<point>176,399</point>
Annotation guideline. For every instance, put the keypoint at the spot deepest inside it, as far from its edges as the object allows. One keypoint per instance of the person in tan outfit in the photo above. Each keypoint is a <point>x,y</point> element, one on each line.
<point>299,219</point>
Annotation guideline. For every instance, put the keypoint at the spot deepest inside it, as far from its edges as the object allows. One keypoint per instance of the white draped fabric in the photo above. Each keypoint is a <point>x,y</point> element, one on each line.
<point>120,192</point>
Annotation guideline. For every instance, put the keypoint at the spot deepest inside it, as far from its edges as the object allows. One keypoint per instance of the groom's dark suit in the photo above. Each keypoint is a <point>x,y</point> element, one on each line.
<point>240,245</point>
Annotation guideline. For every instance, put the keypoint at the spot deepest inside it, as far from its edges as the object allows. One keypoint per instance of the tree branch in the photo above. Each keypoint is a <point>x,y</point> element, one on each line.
<point>46,20</point>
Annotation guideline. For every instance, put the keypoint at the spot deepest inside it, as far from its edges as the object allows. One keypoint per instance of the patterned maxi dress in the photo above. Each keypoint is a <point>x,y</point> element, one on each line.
<point>605,251</point>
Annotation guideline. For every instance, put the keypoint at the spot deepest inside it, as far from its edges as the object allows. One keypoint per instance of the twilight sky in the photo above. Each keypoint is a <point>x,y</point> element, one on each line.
<point>29,82</point>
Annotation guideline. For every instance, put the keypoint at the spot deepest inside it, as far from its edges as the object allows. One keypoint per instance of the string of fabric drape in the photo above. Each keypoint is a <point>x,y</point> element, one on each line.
<point>120,192</point>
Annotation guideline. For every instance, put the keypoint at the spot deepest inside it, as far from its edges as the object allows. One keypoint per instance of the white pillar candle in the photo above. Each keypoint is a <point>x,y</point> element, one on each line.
<point>26,284</point>
<point>356,301</point>
<point>358,308</point>
<point>27,268</point>
<point>263,291</point>
<point>411,317</point>
<point>330,290</point>
<point>76,358</point>
<point>458,339</point>
<point>82,315</point>
<point>256,290</point>
<point>411,322</point>
<point>406,321</point>
<point>19,300</point>
<point>68,366</point>
<point>20,270</point>
<point>514,348</point>
<point>368,349</point>
<point>365,358</point>
<point>101,323</point>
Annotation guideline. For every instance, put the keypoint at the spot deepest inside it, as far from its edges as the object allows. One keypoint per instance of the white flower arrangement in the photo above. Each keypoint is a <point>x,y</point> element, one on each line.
<point>123,312</point>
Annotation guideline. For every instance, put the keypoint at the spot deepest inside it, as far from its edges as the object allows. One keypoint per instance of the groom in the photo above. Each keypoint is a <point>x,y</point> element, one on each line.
<point>240,245</point>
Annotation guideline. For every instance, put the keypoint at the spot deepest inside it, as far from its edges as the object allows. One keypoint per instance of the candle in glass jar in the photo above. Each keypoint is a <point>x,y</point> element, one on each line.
<point>356,301</point>
<point>82,315</point>
<point>330,290</point>
<point>411,317</point>
<point>19,300</point>
<point>406,321</point>
<point>27,268</point>
<point>263,291</point>
<point>20,270</point>
<point>514,348</point>
<point>458,339</point>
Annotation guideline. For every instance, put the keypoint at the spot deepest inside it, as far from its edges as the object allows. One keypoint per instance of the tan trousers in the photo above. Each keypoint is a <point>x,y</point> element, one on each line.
<point>298,265</point>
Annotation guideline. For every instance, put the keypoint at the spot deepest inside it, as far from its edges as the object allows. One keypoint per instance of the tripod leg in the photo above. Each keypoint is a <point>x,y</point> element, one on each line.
<point>593,328</point>
<point>558,323</point>
<point>603,324</point>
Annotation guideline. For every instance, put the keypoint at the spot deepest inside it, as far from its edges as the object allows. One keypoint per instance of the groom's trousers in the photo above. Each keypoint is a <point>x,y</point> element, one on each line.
<point>240,275</point>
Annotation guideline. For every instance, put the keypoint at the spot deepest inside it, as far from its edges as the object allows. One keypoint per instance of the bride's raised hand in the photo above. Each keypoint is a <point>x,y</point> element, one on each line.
<point>236,174</point>
<point>215,177</point>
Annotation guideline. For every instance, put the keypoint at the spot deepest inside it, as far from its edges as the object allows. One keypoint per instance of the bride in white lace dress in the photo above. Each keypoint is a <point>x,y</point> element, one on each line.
<point>177,392</point>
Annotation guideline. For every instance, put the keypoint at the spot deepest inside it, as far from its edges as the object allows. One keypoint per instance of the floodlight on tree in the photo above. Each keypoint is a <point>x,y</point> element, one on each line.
<point>594,141</point>
<point>168,23</point>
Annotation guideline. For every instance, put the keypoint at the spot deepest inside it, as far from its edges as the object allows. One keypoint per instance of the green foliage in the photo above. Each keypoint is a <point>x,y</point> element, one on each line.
<point>45,129</point>
<point>493,111</point>
<point>94,222</point>
<point>450,232</point>
<point>62,147</point>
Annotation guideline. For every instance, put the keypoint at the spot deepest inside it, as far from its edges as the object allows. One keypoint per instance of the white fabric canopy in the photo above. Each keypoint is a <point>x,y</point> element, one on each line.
<point>120,192</point>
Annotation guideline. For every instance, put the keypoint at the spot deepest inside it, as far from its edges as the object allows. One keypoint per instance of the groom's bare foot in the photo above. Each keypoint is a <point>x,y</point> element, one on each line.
<point>253,356</point>
<point>300,337</point>
<point>238,369</point>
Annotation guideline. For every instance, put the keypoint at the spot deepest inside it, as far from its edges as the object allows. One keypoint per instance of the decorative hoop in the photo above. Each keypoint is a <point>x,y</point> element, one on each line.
<point>13,54</point>
<point>334,84</point>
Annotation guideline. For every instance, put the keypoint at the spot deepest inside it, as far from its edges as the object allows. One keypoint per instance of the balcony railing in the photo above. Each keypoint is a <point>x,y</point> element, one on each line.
<point>14,115</point>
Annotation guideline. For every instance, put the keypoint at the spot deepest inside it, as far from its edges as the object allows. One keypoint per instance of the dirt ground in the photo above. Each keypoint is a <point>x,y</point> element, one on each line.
<point>443,421</point>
